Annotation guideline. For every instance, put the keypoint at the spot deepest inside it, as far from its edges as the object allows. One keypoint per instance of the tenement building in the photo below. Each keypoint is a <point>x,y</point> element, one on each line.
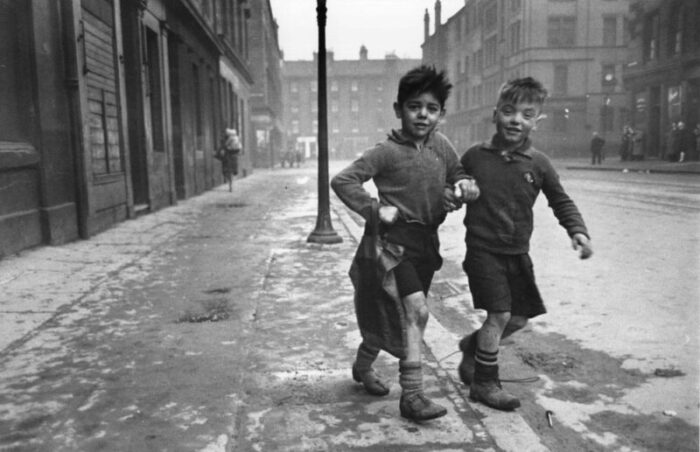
<point>360,95</point>
<point>113,108</point>
<point>577,48</point>
<point>663,71</point>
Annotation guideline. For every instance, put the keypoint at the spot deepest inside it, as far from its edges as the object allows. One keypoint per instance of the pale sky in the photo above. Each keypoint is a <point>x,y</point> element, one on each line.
<point>383,26</point>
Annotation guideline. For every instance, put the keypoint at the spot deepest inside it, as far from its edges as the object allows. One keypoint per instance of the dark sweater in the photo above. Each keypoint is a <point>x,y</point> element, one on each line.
<point>501,220</point>
<point>411,179</point>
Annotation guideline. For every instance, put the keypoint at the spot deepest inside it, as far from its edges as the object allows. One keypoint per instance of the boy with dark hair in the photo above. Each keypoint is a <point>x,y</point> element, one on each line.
<point>510,173</point>
<point>414,171</point>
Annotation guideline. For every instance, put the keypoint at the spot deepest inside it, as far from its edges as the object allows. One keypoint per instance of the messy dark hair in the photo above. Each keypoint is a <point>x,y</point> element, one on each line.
<point>424,79</point>
<point>525,89</point>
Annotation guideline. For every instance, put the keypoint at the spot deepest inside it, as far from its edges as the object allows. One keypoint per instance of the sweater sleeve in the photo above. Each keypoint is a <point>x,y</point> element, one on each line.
<point>559,201</point>
<point>347,184</point>
<point>455,171</point>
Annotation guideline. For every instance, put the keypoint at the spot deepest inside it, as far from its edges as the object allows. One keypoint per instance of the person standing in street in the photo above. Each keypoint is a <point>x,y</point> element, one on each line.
<point>510,174</point>
<point>685,142</point>
<point>414,171</point>
<point>597,143</point>
<point>227,154</point>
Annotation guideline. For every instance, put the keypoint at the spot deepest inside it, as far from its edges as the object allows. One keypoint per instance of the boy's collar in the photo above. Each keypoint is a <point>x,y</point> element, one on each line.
<point>496,144</point>
<point>398,136</point>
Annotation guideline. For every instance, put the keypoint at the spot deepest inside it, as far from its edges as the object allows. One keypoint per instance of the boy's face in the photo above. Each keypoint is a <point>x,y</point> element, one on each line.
<point>419,115</point>
<point>514,121</point>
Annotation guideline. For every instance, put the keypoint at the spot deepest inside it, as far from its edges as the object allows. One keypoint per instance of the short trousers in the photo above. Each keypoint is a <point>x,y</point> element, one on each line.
<point>421,258</point>
<point>503,283</point>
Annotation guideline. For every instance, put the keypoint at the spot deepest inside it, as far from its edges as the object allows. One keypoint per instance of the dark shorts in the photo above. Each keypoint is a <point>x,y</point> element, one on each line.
<point>503,283</point>
<point>421,257</point>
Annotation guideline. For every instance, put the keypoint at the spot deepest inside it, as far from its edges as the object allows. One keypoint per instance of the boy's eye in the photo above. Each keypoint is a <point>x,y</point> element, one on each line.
<point>528,114</point>
<point>507,110</point>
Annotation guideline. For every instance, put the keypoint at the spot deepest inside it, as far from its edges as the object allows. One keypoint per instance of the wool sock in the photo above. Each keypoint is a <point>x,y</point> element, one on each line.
<point>410,378</point>
<point>486,365</point>
<point>366,355</point>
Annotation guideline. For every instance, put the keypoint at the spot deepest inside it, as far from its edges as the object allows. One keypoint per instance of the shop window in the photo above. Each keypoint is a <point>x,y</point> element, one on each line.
<point>14,58</point>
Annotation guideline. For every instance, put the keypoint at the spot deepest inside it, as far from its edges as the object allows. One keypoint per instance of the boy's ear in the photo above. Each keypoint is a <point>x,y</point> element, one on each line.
<point>493,116</point>
<point>540,117</point>
<point>397,110</point>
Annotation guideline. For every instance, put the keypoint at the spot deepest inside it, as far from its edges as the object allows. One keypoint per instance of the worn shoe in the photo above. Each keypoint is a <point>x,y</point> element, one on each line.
<point>466,368</point>
<point>372,382</point>
<point>491,393</point>
<point>418,407</point>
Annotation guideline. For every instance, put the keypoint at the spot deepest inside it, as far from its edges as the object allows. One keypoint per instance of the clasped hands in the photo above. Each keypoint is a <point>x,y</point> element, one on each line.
<point>465,190</point>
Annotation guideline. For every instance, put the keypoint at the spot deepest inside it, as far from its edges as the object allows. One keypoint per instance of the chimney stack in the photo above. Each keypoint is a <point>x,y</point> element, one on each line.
<point>438,14</point>
<point>426,25</point>
<point>363,53</point>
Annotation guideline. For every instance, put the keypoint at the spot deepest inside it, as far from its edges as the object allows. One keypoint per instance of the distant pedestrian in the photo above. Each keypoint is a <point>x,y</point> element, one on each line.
<point>685,142</point>
<point>637,145</point>
<point>626,143</point>
<point>413,170</point>
<point>671,148</point>
<point>227,153</point>
<point>597,143</point>
<point>510,173</point>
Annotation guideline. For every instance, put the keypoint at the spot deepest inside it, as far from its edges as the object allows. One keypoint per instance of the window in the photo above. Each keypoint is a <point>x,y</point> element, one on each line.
<point>651,37</point>
<point>295,126</point>
<point>608,74</point>
<point>354,105</point>
<point>561,31</point>
<point>334,106</point>
<point>514,33</point>
<point>515,5</point>
<point>465,102</point>
<point>478,60</point>
<point>560,120</point>
<point>294,87</point>
<point>609,31</point>
<point>675,32</point>
<point>313,86</point>
<point>353,86</point>
<point>334,85</point>
<point>294,109</point>
<point>490,16</point>
<point>561,79</point>
<point>314,126</point>
<point>466,65</point>
<point>490,51</point>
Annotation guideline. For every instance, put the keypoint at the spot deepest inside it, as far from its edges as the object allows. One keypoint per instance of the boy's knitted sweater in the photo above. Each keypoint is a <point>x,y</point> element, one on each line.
<point>501,220</point>
<point>409,178</point>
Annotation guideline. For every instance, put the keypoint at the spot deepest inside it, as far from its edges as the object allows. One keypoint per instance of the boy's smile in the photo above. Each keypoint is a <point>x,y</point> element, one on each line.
<point>419,115</point>
<point>514,122</point>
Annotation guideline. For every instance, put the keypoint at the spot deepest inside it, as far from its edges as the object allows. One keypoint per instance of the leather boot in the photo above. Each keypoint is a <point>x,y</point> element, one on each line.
<point>486,388</point>
<point>417,407</point>
<point>372,381</point>
<point>466,368</point>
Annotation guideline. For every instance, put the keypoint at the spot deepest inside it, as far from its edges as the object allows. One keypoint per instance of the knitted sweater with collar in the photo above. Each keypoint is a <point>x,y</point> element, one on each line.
<point>407,176</point>
<point>501,220</point>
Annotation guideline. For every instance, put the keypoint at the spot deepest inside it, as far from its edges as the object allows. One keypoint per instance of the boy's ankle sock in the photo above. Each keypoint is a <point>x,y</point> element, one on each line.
<point>411,378</point>
<point>366,355</point>
<point>486,365</point>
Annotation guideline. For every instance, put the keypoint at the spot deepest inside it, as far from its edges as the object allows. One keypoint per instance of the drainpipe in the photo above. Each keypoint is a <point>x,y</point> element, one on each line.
<point>71,38</point>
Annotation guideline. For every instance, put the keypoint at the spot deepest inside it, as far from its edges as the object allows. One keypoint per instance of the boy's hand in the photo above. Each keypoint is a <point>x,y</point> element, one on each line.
<point>467,190</point>
<point>388,214</point>
<point>582,243</point>
<point>450,201</point>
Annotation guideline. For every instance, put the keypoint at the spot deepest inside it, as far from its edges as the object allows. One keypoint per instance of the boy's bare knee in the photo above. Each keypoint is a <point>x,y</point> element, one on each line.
<point>517,322</point>
<point>498,319</point>
<point>416,309</point>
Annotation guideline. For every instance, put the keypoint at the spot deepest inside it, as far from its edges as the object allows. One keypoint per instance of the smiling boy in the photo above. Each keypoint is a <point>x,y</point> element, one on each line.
<point>413,170</point>
<point>510,173</point>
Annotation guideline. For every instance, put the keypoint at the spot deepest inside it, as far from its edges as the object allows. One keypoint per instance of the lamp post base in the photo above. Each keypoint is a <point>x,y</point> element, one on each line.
<point>327,237</point>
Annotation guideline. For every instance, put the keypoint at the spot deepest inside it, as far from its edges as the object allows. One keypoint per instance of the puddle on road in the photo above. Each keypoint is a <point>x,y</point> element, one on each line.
<point>213,311</point>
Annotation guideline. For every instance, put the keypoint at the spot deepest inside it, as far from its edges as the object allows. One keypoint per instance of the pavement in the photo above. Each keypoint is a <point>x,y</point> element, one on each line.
<point>643,166</point>
<point>214,325</point>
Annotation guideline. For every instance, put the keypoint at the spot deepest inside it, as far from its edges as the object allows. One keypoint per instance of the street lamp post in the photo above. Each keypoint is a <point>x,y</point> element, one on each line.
<point>323,233</point>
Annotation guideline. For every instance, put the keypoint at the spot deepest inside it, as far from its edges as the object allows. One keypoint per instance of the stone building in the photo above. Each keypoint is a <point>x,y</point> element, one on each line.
<point>112,108</point>
<point>663,71</point>
<point>360,94</point>
<point>266,97</point>
<point>577,48</point>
